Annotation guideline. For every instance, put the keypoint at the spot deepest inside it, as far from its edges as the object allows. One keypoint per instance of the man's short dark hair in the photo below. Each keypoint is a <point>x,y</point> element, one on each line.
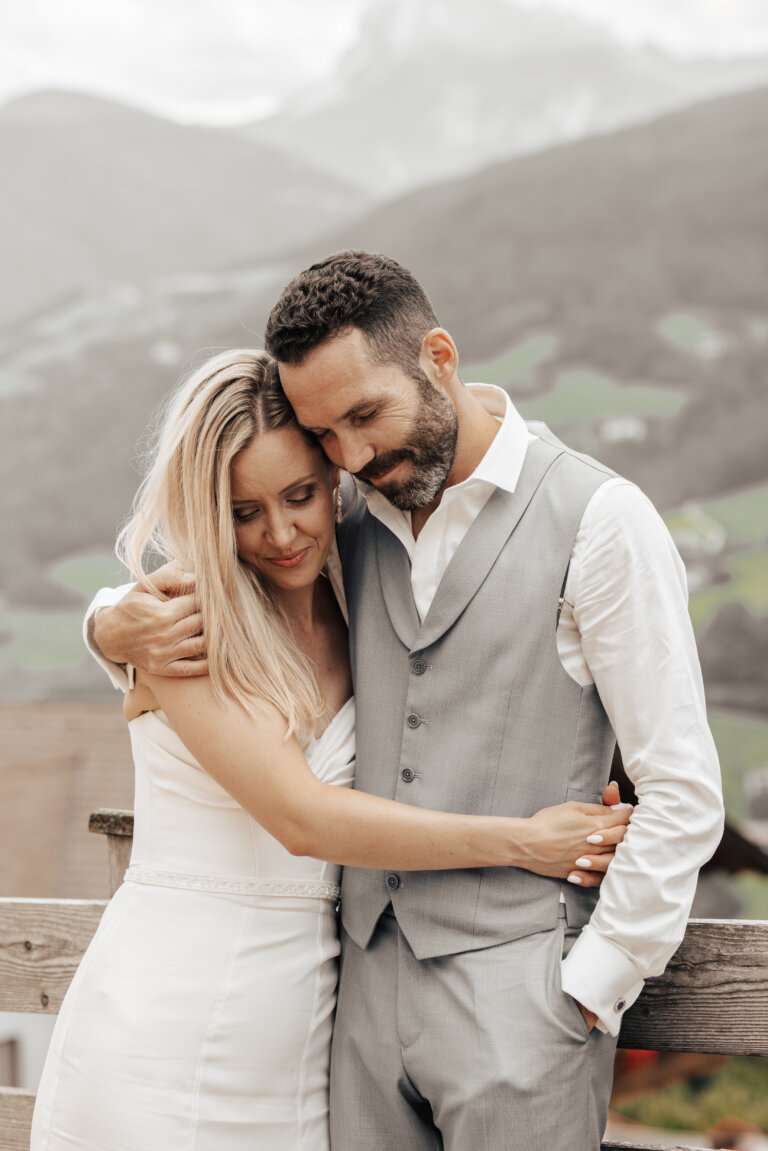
<point>352,290</point>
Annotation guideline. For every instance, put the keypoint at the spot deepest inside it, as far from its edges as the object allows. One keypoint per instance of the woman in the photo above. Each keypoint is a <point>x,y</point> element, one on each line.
<point>201,1014</point>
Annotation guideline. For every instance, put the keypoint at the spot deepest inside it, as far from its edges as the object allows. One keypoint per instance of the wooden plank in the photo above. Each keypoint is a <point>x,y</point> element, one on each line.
<point>647,1147</point>
<point>15,1118</point>
<point>712,998</point>
<point>41,943</point>
<point>109,821</point>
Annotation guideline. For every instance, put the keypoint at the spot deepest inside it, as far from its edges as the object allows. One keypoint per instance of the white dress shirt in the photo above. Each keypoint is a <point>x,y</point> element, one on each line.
<point>625,627</point>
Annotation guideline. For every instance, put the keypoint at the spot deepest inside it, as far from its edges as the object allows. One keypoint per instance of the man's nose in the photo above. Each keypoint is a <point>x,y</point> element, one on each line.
<point>354,454</point>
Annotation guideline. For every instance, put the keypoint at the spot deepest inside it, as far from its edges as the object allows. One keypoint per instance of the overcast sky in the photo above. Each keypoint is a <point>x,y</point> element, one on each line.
<point>221,61</point>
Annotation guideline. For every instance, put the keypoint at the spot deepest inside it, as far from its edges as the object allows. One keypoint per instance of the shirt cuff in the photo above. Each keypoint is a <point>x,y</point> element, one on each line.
<point>122,677</point>
<point>601,977</point>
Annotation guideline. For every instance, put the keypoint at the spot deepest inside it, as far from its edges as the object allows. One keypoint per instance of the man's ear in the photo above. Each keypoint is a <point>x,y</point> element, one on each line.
<point>440,359</point>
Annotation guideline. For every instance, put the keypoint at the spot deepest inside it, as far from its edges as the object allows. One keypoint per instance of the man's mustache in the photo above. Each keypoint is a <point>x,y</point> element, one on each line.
<point>380,465</point>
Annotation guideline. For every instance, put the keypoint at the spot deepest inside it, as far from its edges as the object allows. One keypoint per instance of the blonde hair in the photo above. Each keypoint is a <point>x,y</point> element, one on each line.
<point>183,512</point>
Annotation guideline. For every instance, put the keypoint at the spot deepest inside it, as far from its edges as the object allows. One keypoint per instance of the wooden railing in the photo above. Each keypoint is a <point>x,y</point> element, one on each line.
<point>712,998</point>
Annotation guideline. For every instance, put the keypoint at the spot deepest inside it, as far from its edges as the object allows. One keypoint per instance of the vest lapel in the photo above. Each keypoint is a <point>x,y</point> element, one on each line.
<point>395,578</point>
<point>480,548</point>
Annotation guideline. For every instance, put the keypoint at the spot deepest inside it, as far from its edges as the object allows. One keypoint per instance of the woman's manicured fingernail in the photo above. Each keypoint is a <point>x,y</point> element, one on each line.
<point>575,879</point>
<point>594,838</point>
<point>583,862</point>
<point>618,806</point>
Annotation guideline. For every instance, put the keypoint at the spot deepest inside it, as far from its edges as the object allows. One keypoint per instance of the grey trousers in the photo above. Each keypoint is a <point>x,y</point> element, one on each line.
<point>480,1051</point>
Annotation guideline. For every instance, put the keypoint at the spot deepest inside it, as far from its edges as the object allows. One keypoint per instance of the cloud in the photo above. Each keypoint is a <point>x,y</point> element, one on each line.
<point>234,60</point>
<point>688,27</point>
<point>212,58</point>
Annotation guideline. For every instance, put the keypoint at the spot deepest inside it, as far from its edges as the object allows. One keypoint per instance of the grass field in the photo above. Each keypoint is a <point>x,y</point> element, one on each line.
<point>585,396</point>
<point>742,744</point>
<point>747,584</point>
<point>87,572</point>
<point>41,640</point>
<point>515,368</point>
<point>739,1089</point>
<point>742,516</point>
<point>689,332</point>
<point>53,640</point>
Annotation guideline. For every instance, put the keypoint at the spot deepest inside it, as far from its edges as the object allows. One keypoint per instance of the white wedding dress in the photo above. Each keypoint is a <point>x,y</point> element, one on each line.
<point>201,1015</point>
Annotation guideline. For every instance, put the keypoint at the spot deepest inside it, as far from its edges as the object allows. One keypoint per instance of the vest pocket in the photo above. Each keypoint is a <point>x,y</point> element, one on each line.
<point>584,796</point>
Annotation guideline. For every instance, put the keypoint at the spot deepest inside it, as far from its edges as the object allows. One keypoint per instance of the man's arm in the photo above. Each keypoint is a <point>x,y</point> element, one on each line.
<point>162,636</point>
<point>629,602</point>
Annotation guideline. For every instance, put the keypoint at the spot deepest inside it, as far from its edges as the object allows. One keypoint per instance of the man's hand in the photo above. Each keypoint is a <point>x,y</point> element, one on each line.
<point>589,1016</point>
<point>162,637</point>
<point>576,841</point>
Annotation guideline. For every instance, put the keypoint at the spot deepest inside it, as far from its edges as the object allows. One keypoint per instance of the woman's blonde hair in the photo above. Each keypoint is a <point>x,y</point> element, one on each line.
<point>183,512</point>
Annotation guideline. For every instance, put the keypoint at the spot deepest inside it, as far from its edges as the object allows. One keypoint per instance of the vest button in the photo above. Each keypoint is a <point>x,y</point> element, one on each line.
<point>418,666</point>
<point>407,775</point>
<point>413,720</point>
<point>393,882</point>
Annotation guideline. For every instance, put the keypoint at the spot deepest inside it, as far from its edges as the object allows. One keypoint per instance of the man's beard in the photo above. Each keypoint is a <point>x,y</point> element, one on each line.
<point>430,449</point>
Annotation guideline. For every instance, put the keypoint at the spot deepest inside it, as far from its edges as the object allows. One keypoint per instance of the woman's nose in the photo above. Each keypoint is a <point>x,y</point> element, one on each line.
<point>282,530</point>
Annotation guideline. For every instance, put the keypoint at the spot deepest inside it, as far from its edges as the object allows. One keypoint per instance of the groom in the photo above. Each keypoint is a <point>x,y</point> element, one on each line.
<point>515,608</point>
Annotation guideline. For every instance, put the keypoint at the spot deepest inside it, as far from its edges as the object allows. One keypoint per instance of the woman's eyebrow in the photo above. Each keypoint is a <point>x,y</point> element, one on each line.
<point>293,484</point>
<point>297,483</point>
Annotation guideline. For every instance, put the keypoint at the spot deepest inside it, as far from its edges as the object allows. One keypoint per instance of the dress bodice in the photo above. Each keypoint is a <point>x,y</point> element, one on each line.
<point>190,829</point>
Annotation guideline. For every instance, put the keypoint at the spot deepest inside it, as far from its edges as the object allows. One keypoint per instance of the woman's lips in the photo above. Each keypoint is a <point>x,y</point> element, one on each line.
<point>290,561</point>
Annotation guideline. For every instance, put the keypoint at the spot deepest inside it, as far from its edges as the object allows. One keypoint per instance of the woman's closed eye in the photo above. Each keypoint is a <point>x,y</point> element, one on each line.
<point>302,496</point>
<point>245,515</point>
<point>294,499</point>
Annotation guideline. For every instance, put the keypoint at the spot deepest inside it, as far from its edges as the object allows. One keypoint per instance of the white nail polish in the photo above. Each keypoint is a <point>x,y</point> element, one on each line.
<point>583,862</point>
<point>594,838</point>
<point>618,806</point>
<point>574,879</point>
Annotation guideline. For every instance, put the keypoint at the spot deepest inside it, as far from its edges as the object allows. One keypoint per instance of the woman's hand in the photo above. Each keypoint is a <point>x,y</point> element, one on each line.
<point>576,841</point>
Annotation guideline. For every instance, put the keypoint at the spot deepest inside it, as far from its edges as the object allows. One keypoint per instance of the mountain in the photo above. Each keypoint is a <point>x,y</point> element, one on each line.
<point>98,192</point>
<point>606,252</point>
<point>441,87</point>
<point>598,241</point>
<point>665,213</point>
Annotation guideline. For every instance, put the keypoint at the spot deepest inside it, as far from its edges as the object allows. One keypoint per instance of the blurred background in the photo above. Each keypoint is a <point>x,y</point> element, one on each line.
<point>582,188</point>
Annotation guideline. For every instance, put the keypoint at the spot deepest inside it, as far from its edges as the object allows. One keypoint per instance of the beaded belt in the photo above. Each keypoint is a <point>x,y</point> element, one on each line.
<point>299,888</point>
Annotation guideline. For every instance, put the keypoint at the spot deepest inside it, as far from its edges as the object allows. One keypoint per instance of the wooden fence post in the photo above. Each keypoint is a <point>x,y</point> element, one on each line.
<point>118,828</point>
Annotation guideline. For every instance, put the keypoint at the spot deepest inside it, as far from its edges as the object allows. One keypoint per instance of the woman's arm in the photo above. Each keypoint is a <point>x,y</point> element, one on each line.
<point>268,775</point>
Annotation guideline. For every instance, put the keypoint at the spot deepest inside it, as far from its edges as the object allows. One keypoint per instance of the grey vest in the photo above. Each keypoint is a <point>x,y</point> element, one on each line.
<point>472,711</point>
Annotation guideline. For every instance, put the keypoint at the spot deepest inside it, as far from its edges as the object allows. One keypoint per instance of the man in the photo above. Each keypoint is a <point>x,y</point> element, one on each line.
<point>514,609</point>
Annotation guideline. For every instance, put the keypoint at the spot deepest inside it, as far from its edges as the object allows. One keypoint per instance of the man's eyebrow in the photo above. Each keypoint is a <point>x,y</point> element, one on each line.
<point>293,484</point>
<point>359,407</point>
<point>350,412</point>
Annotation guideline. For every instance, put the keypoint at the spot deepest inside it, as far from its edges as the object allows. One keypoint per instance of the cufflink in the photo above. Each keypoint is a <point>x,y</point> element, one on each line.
<point>619,1005</point>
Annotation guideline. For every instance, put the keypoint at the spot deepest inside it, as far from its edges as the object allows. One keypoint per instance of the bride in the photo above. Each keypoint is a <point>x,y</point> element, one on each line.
<point>201,1014</point>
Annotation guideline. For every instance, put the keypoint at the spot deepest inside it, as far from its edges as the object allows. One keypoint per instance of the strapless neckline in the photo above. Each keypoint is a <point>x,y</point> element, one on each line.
<point>162,718</point>
<point>342,711</point>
